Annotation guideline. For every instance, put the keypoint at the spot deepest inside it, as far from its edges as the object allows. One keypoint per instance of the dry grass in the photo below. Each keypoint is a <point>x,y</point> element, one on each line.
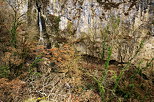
<point>11,90</point>
<point>60,74</point>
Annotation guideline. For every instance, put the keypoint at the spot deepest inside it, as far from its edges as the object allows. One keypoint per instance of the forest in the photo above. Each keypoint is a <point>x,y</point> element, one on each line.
<point>76,50</point>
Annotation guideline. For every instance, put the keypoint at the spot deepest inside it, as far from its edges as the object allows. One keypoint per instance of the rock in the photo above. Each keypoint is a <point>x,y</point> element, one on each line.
<point>120,24</point>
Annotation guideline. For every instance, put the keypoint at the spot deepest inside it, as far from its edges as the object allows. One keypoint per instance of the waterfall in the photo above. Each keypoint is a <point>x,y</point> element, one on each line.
<point>41,39</point>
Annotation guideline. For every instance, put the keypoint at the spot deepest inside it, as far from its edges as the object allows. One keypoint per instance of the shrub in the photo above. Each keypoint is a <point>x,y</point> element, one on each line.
<point>4,71</point>
<point>11,90</point>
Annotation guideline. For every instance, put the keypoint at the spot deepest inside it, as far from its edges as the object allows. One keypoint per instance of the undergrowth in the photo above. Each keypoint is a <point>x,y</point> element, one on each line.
<point>57,73</point>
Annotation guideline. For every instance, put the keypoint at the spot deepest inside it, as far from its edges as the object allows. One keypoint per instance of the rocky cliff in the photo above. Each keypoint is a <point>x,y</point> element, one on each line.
<point>94,25</point>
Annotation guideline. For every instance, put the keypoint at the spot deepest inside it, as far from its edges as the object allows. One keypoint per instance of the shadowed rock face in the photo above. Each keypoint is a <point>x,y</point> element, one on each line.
<point>99,61</point>
<point>122,24</point>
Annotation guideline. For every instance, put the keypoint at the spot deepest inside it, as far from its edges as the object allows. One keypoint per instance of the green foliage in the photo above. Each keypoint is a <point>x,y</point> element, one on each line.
<point>55,23</point>
<point>35,73</point>
<point>36,61</point>
<point>103,50</point>
<point>114,22</point>
<point>149,64</point>
<point>111,28</point>
<point>16,22</point>
<point>137,51</point>
<point>105,34</point>
<point>119,77</point>
<point>4,71</point>
<point>104,75</point>
<point>128,65</point>
<point>101,82</point>
<point>13,33</point>
<point>34,65</point>
<point>108,58</point>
